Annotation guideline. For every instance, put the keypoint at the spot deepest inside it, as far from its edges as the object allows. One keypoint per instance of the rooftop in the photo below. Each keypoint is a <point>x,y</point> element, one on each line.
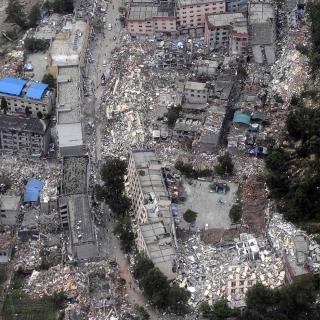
<point>159,246</point>
<point>262,33</point>
<point>181,3</point>
<point>68,45</point>
<point>9,202</point>
<point>81,227</point>
<point>226,19</point>
<point>143,12</point>
<point>261,12</point>
<point>33,125</point>
<point>12,86</point>
<point>192,85</point>
<point>36,90</point>
<point>70,135</point>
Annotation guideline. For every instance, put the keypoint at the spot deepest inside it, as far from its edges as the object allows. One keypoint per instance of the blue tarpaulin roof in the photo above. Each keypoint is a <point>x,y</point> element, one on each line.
<point>174,209</point>
<point>36,90</point>
<point>240,117</point>
<point>177,43</point>
<point>32,191</point>
<point>12,86</point>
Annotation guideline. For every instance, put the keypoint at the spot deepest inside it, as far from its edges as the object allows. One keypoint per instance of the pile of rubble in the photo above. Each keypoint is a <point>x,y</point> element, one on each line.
<point>211,272</point>
<point>27,255</point>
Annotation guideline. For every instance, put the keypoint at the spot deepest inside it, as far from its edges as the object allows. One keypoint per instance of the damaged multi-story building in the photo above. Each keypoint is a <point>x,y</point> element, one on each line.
<point>155,230</point>
<point>191,14</point>
<point>151,17</point>
<point>25,98</point>
<point>227,31</point>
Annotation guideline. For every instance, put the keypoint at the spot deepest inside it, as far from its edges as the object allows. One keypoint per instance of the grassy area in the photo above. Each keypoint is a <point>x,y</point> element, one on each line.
<point>19,306</point>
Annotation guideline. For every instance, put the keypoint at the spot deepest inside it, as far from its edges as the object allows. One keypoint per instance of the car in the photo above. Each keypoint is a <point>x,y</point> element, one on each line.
<point>104,63</point>
<point>109,27</point>
<point>114,38</point>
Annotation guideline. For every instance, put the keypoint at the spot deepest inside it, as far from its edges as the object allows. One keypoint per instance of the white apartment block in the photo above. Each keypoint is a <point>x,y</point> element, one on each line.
<point>191,14</point>
<point>155,230</point>
<point>227,31</point>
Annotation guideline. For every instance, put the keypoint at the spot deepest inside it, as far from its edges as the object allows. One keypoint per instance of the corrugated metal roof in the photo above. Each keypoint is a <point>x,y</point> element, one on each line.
<point>240,117</point>
<point>36,90</point>
<point>12,86</point>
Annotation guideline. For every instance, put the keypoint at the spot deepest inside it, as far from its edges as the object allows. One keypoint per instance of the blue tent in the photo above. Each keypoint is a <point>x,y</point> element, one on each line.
<point>32,191</point>
<point>240,117</point>
<point>12,86</point>
<point>36,90</point>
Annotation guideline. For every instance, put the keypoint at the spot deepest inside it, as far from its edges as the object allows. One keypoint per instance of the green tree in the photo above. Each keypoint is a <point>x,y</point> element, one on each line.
<point>178,299</point>
<point>58,6</point>
<point>235,213</point>
<point>142,313</point>
<point>34,15</point>
<point>141,266</point>
<point>218,311</point>
<point>4,105</point>
<point>156,287</point>
<point>123,229</point>
<point>49,80</point>
<point>173,115</point>
<point>112,174</point>
<point>15,13</point>
<point>185,168</point>
<point>34,45</point>
<point>190,216</point>
<point>225,165</point>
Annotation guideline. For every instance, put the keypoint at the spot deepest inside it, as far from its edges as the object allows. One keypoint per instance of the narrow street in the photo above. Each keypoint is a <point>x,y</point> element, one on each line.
<point>100,49</point>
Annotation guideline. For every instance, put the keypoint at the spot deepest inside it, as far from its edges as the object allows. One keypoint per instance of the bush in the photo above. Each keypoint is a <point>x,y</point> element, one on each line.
<point>33,44</point>
<point>123,229</point>
<point>173,115</point>
<point>235,213</point>
<point>190,216</point>
<point>225,165</point>
<point>302,49</point>
<point>49,80</point>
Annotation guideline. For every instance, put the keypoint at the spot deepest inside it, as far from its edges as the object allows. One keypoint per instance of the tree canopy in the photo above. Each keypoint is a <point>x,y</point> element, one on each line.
<point>16,14</point>
<point>49,80</point>
<point>123,229</point>
<point>225,165</point>
<point>190,216</point>
<point>33,44</point>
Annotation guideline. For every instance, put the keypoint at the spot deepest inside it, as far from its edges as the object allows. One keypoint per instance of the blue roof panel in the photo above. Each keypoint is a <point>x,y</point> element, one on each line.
<point>36,90</point>
<point>32,191</point>
<point>12,86</point>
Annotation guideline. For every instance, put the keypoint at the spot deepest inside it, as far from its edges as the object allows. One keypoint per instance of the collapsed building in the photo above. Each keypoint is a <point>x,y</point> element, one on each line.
<point>155,230</point>
<point>75,208</point>
<point>9,208</point>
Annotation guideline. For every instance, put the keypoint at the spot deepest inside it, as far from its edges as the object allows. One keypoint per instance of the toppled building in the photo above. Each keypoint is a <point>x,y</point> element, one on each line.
<point>188,126</point>
<point>206,68</point>
<point>295,12</point>
<point>25,135</point>
<point>262,31</point>
<point>9,208</point>
<point>25,98</point>
<point>75,208</point>
<point>227,31</point>
<point>151,205</point>
<point>151,18</point>
<point>191,14</point>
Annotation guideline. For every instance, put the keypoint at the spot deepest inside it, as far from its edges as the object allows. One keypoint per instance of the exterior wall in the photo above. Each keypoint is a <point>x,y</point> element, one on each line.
<point>5,255</point>
<point>196,96</point>
<point>238,43</point>
<point>85,251</point>
<point>18,105</point>
<point>236,5</point>
<point>191,18</point>
<point>141,245</point>
<point>25,142</point>
<point>152,26</point>
<point>218,38</point>
<point>71,151</point>
<point>135,192</point>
